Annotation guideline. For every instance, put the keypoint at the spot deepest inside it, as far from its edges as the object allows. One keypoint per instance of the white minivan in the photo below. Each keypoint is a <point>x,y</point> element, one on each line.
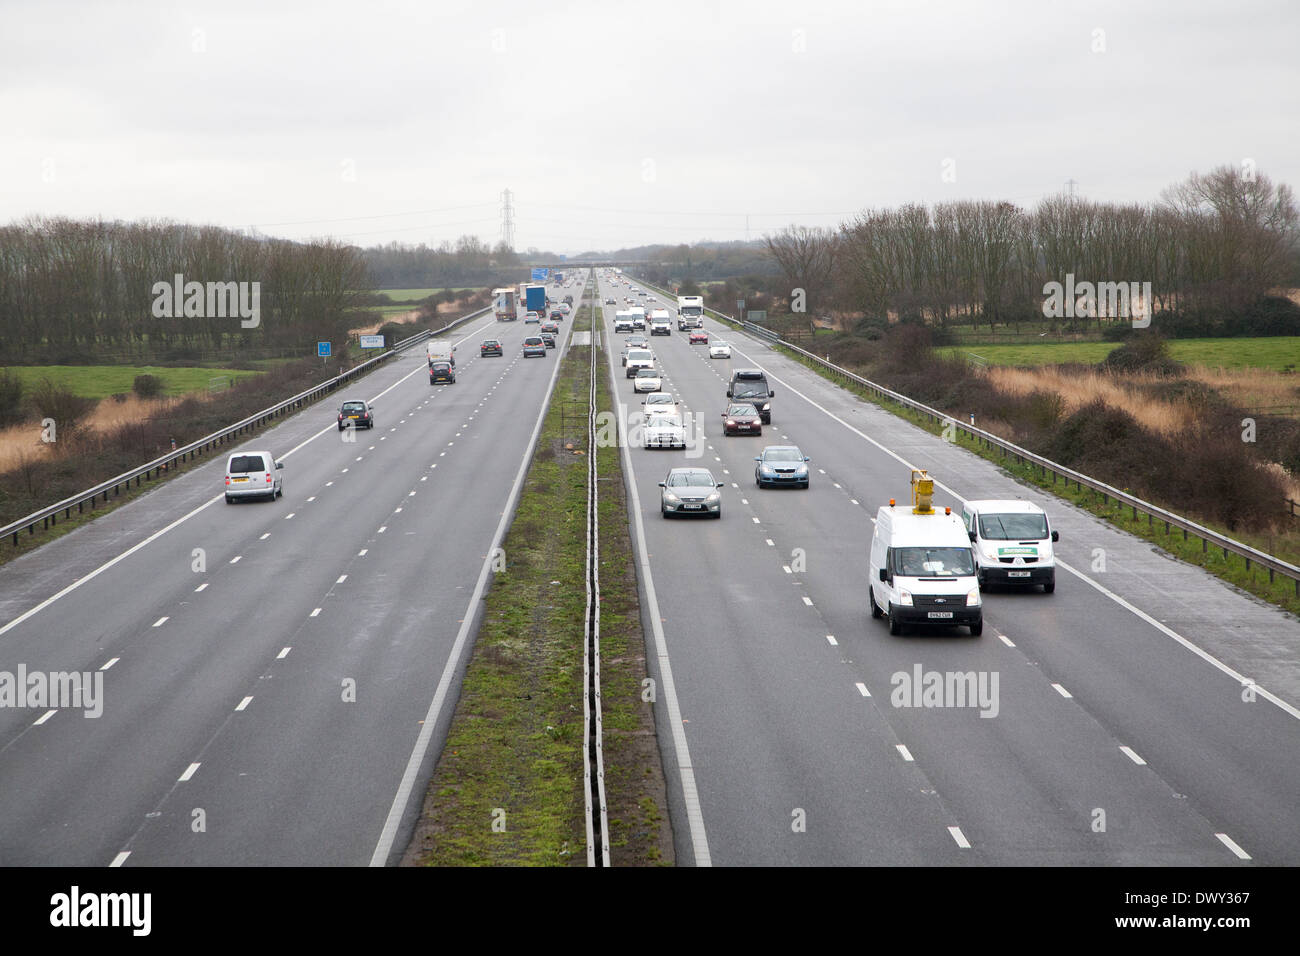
<point>253,474</point>
<point>922,570</point>
<point>1012,543</point>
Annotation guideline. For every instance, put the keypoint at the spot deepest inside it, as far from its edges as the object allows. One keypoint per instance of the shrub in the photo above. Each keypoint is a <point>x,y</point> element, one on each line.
<point>147,386</point>
<point>1142,353</point>
<point>11,398</point>
<point>69,410</point>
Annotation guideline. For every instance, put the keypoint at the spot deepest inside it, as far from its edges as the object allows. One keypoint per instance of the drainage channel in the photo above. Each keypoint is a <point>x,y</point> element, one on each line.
<point>593,757</point>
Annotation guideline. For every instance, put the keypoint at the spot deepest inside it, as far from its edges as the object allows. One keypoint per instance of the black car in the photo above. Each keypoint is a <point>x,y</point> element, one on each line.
<point>548,340</point>
<point>490,347</point>
<point>442,372</point>
<point>355,415</point>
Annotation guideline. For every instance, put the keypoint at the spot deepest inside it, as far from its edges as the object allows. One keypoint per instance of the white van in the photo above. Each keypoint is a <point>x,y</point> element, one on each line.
<point>660,322</point>
<point>253,474</point>
<point>1012,543</point>
<point>922,570</point>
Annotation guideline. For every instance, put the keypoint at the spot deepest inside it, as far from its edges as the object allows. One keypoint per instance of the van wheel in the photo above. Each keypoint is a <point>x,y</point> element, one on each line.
<point>1050,586</point>
<point>876,612</point>
<point>895,625</point>
<point>229,500</point>
<point>977,628</point>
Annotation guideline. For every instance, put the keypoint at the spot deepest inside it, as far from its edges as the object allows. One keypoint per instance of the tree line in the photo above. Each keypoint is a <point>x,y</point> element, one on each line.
<point>1216,243</point>
<point>86,291</point>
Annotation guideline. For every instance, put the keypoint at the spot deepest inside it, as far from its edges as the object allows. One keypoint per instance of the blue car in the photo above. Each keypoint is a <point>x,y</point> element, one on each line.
<point>781,465</point>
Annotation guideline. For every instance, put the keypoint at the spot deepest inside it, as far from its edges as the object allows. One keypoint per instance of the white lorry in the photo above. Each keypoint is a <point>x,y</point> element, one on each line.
<point>441,351</point>
<point>690,312</point>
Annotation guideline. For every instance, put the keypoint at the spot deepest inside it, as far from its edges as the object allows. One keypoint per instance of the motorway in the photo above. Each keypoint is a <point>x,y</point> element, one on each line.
<point>278,698</point>
<point>1122,733</point>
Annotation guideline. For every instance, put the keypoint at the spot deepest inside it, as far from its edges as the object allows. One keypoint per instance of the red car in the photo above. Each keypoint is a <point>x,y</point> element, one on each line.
<point>699,337</point>
<point>742,420</point>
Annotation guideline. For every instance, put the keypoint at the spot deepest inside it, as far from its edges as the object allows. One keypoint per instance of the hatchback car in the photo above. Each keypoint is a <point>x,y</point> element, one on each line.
<point>638,342</point>
<point>661,399</point>
<point>532,317</point>
<point>647,380</point>
<point>664,430</point>
<point>781,465</point>
<point>690,491</point>
<point>534,346</point>
<point>741,419</point>
<point>355,415</point>
<point>548,340</point>
<point>698,337</point>
<point>442,373</point>
<point>490,347</point>
<point>719,350</point>
<point>253,474</point>
<point>610,301</point>
<point>550,327</point>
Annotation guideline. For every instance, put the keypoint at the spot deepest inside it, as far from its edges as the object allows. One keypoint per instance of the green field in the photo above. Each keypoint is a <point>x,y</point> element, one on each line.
<point>1277,353</point>
<point>101,381</point>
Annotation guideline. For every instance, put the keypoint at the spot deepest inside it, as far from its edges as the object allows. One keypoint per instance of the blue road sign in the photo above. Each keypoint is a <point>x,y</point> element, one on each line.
<point>323,349</point>
<point>539,275</point>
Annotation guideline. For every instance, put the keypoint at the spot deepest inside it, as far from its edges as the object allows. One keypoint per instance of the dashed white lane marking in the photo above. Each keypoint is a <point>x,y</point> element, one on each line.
<point>383,438</point>
<point>835,483</point>
<point>853,500</point>
<point>771,543</point>
<point>362,552</point>
<point>315,612</point>
<point>160,622</point>
<point>360,457</point>
<point>383,529</point>
<point>831,639</point>
<point>264,536</point>
<point>189,772</point>
<point>328,483</point>
<point>243,703</point>
<point>397,511</point>
<point>904,752</point>
<point>442,454</point>
<point>786,569</point>
<point>744,501</point>
<point>110,663</point>
<point>1005,640</point>
<point>862,689</point>
<point>959,837</point>
<point>411,495</point>
<point>1062,691</point>
<point>201,587</point>
<point>1228,842</point>
<point>284,652</point>
<point>734,485</point>
<point>235,559</point>
<point>291,514</point>
<point>345,471</point>
<point>1128,752</point>
<point>755,520</point>
<point>119,859</point>
<point>342,578</point>
<point>44,717</point>
<point>807,600</point>
<point>822,470</point>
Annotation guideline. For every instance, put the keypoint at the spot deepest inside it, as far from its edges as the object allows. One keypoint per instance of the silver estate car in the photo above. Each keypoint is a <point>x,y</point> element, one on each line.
<point>690,491</point>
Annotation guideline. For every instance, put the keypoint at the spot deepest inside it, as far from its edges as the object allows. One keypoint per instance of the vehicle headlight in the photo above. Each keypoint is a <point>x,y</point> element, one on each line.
<point>669,496</point>
<point>991,553</point>
<point>973,598</point>
<point>905,598</point>
<point>765,468</point>
<point>713,497</point>
<point>767,406</point>
<point>731,421</point>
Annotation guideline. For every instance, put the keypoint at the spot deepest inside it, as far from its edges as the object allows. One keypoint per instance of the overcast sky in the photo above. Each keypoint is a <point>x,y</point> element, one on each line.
<point>617,124</point>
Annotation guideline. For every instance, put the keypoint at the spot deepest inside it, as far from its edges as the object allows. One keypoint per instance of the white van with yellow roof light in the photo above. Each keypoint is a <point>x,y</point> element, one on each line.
<point>922,569</point>
<point>1012,543</point>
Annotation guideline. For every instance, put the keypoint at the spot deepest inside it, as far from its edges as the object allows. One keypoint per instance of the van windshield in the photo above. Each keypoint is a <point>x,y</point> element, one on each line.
<point>933,562</point>
<point>1013,527</point>
<point>749,388</point>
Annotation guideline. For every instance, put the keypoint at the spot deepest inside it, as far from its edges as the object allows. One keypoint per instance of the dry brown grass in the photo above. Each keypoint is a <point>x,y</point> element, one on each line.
<point>25,439</point>
<point>1079,389</point>
<point>1253,388</point>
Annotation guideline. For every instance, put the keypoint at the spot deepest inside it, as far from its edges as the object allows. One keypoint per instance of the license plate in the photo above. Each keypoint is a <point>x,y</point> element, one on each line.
<point>692,507</point>
<point>238,479</point>
<point>1017,574</point>
<point>743,428</point>
<point>939,615</point>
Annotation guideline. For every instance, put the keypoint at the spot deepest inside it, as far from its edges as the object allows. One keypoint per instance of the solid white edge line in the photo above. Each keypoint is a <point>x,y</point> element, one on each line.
<point>119,859</point>
<point>44,717</point>
<point>1231,845</point>
<point>690,793</point>
<point>388,834</point>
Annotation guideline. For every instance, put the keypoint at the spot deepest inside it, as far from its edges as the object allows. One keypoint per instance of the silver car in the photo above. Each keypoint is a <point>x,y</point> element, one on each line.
<point>690,491</point>
<point>647,380</point>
